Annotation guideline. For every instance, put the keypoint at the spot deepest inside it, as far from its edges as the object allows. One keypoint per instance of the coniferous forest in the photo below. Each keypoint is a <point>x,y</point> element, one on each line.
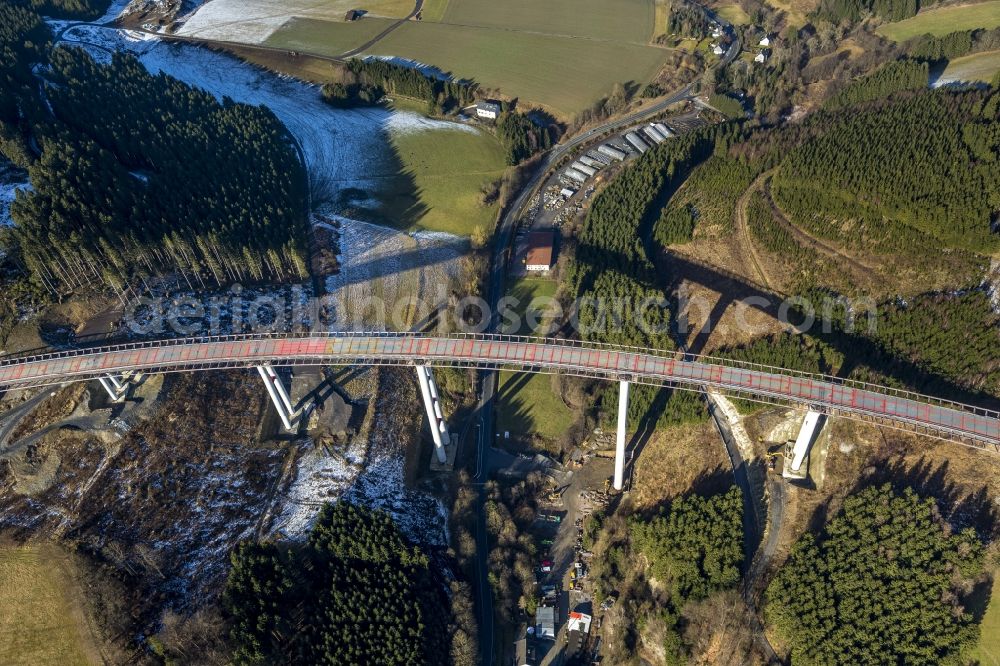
<point>67,9</point>
<point>356,593</point>
<point>136,175</point>
<point>926,176</point>
<point>881,580</point>
<point>688,552</point>
<point>929,166</point>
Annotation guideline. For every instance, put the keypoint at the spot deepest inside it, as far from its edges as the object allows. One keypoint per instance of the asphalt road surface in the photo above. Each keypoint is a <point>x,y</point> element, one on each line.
<point>502,249</point>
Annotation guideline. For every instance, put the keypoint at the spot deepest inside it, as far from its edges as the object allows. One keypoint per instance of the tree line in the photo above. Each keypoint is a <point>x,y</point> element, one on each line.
<point>66,9</point>
<point>24,42</point>
<point>688,19</point>
<point>369,80</point>
<point>134,175</point>
<point>954,44</point>
<point>356,593</point>
<point>938,344</point>
<point>613,262</point>
<point>854,10</point>
<point>890,78</point>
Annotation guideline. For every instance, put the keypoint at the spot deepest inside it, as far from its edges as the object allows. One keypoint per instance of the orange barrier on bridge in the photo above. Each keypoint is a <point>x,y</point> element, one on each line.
<point>831,395</point>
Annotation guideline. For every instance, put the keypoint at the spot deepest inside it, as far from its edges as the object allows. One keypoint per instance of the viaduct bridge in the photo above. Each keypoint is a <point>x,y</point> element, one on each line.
<point>115,365</point>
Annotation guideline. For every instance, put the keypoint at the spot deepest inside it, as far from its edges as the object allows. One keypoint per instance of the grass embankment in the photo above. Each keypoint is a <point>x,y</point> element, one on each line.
<point>308,68</point>
<point>661,14</point>
<point>976,67</point>
<point>528,406</point>
<point>939,22</point>
<point>40,623</point>
<point>443,172</point>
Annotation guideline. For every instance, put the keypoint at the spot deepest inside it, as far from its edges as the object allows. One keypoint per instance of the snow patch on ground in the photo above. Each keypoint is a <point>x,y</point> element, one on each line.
<point>114,10</point>
<point>319,477</point>
<point>252,21</point>
<point>342,148</point>
<point>7,193</point>
<point>390,279</point>
<point>421,516</point>
<point>408,123</point>
<point>993,284</point>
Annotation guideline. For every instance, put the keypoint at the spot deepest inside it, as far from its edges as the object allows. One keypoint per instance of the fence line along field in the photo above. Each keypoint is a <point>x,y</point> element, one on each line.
<point>939,22</point>
<point>40,621</point>
<point>326,38</point>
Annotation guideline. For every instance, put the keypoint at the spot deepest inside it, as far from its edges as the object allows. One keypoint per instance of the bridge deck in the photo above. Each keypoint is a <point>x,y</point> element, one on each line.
<point>828,394</point>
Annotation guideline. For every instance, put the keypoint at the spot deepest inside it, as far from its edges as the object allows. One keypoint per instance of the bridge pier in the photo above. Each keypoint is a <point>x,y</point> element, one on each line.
<point>620,435</point>
<point>117,387</point>
<point>279,397</point>
<point>811,425</point>
<point>435,417</point>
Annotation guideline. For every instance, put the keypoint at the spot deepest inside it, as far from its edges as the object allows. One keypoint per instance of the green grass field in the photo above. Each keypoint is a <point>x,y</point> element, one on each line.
<point>526,290</point>
<point>940,22</point>
<point>527,405</point>
<point>39,624</point>
<point>621,21</point>
<point>733,13</point>
<point>562,54</point>
<point>976,67</point>
<point>988,651</point>
<point>433,10</point>
<point>564,74</point>
<point>443,172</point>
<point>328,38</point>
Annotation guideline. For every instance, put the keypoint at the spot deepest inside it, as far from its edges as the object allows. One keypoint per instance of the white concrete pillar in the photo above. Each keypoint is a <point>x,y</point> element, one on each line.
<point>282,393</point>
<point>114,388</point>
<point>620,435</point>
<point>807,433</point>
<point>270,383</point>
<point>119,385</point>
<point>435,417</point>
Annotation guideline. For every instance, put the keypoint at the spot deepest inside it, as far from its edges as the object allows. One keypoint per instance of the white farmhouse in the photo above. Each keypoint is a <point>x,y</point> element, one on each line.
<point>487,109</point>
